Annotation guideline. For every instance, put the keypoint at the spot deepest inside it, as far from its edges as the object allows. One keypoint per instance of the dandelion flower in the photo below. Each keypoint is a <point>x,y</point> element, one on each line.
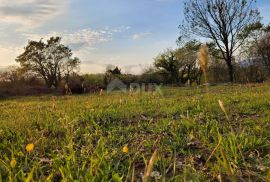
<point>29,147</point>
<point>13,163</point>
<point>125,149</point>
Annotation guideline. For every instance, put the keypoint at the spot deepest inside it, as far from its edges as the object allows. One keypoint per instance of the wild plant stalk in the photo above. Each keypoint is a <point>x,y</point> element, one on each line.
<point>203,60</point>
<point>221,105</point>
<point>213,152</point>
<point>150,166</point>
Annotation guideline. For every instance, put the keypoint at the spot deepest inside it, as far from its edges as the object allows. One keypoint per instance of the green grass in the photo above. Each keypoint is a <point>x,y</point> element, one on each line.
<point>80,138</point>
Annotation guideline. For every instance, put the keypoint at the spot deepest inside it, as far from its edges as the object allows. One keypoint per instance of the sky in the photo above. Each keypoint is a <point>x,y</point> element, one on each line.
<point>102,33</point>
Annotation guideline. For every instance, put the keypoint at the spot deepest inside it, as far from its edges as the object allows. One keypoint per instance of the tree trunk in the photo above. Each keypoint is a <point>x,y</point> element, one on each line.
<point>48,83</point>
<point>230,68</point>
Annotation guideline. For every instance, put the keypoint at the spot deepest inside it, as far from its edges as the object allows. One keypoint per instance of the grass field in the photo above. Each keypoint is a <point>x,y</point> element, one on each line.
<point>112,137</point>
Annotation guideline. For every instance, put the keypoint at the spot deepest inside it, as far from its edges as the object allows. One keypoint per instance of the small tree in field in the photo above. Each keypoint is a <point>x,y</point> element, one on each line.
<point>51,60</point>
<point>222,21</point>
<point>180,65</point>
<point>169,65</point>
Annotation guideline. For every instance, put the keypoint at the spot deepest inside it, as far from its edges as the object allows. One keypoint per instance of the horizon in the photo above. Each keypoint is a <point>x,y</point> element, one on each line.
<point>101,33</point>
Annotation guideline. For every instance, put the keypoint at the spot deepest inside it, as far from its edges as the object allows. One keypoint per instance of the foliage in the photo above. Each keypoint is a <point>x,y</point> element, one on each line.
<point>180,65</point>
<point>115,71</point>
<point>51,61</point>
<point>92,80</point>
<point>169,65</point>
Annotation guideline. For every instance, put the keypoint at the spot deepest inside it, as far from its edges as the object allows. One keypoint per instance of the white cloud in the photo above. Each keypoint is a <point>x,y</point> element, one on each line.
<point>82,41</point>
<point>76,39</point>
<point>30,13</point>
<point>82,38</point>
<point>139,36</point>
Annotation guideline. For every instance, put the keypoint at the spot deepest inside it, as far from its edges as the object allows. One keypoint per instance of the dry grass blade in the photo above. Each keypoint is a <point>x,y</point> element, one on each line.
<point>149,167</point>
<point>221,105</point>
<point>133,173</point>
<point>212,153</point>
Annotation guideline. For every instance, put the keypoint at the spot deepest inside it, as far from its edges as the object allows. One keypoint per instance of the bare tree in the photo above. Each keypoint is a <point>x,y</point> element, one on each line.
<point>222,21</point>
<point>11,74</point>
<point>257,46</point>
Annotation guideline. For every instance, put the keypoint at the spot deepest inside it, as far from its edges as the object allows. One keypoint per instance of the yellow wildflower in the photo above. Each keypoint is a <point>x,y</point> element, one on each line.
<point>13,163</point>
<point>29,147</point>
<point>125,149</point>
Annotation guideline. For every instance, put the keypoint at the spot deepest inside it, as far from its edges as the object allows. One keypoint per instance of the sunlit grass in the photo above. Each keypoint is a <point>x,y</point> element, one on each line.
<point>112,137</point>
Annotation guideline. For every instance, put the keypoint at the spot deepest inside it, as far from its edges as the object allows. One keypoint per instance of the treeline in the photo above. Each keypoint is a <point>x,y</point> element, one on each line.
<point>57,72</point>
<point>237,46</point>
<point>53,71</point>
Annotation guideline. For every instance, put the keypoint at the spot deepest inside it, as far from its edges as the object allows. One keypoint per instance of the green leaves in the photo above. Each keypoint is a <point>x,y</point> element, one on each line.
<point>51,61</point>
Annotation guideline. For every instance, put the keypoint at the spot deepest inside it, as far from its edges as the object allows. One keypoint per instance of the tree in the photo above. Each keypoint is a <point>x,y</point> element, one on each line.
<point>111,74</point>
<point>168,64</point>
<point>12,74</point>
<point>188,59</point>
<point>257,46</point>
<point>221,21</point>
<point>52,60</point>
<point>115,71</point>
<point>180,65</point>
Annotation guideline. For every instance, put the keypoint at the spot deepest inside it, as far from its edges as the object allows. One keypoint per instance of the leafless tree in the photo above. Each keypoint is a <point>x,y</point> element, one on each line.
<point>222,21</point>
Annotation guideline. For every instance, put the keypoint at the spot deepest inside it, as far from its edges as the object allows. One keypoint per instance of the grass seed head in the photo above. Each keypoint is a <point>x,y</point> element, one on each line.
<point>203,58</point>
<point>221,105</point>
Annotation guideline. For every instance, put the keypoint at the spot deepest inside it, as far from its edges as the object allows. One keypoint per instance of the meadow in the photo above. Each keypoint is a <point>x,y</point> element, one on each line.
<point>219,133</point>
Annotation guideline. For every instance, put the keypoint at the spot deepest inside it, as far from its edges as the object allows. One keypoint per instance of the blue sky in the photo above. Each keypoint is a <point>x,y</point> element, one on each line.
<point>126,33</point>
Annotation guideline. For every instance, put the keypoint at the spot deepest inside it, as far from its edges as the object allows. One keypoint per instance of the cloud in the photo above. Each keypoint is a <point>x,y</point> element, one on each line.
<point>139,36</point>
<point>76,39</point>
<point>84,42</point>
<point>82,38</point>
<point>30,13</point>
